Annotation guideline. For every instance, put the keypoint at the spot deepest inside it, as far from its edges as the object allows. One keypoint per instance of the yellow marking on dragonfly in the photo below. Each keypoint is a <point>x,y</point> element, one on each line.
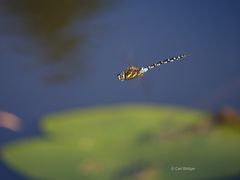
<point>132,72</point>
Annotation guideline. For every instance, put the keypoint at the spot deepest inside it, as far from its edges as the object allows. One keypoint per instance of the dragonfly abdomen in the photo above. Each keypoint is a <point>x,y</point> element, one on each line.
<point>173,59</point>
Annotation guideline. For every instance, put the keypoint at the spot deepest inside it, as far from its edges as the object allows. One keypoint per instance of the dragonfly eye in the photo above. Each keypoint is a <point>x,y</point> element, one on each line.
<point>121,76</point>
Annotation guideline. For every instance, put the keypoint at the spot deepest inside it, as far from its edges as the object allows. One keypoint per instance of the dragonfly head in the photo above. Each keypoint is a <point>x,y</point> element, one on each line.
<point>121,76</point>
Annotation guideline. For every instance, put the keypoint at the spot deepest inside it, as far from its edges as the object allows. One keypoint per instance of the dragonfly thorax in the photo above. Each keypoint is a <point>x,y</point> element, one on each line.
<point>130,73</point>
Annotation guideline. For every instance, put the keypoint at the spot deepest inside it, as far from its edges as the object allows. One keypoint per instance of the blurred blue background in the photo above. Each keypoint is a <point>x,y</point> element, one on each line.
<point>56,55</point>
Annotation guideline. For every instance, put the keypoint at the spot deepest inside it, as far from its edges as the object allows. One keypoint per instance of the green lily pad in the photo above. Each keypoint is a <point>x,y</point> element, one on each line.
<point>128,142</point>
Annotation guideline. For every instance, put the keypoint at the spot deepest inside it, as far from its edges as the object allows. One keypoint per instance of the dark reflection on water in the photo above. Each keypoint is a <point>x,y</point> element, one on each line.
<point>46,18</point>
<point>49,23</point>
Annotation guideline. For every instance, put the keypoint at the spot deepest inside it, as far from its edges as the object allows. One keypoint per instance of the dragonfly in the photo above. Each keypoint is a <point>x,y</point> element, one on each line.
<point>132,72</point>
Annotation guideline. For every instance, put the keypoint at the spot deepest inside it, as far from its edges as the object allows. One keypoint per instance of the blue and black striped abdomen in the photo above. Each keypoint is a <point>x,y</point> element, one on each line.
<point>173,59</point>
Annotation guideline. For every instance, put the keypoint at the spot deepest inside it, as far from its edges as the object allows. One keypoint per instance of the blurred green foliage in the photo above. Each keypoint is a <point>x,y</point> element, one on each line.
<point>127,142</point>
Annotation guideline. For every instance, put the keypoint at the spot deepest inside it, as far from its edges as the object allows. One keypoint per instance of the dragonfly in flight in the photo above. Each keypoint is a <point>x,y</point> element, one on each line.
<point>132,72</point>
